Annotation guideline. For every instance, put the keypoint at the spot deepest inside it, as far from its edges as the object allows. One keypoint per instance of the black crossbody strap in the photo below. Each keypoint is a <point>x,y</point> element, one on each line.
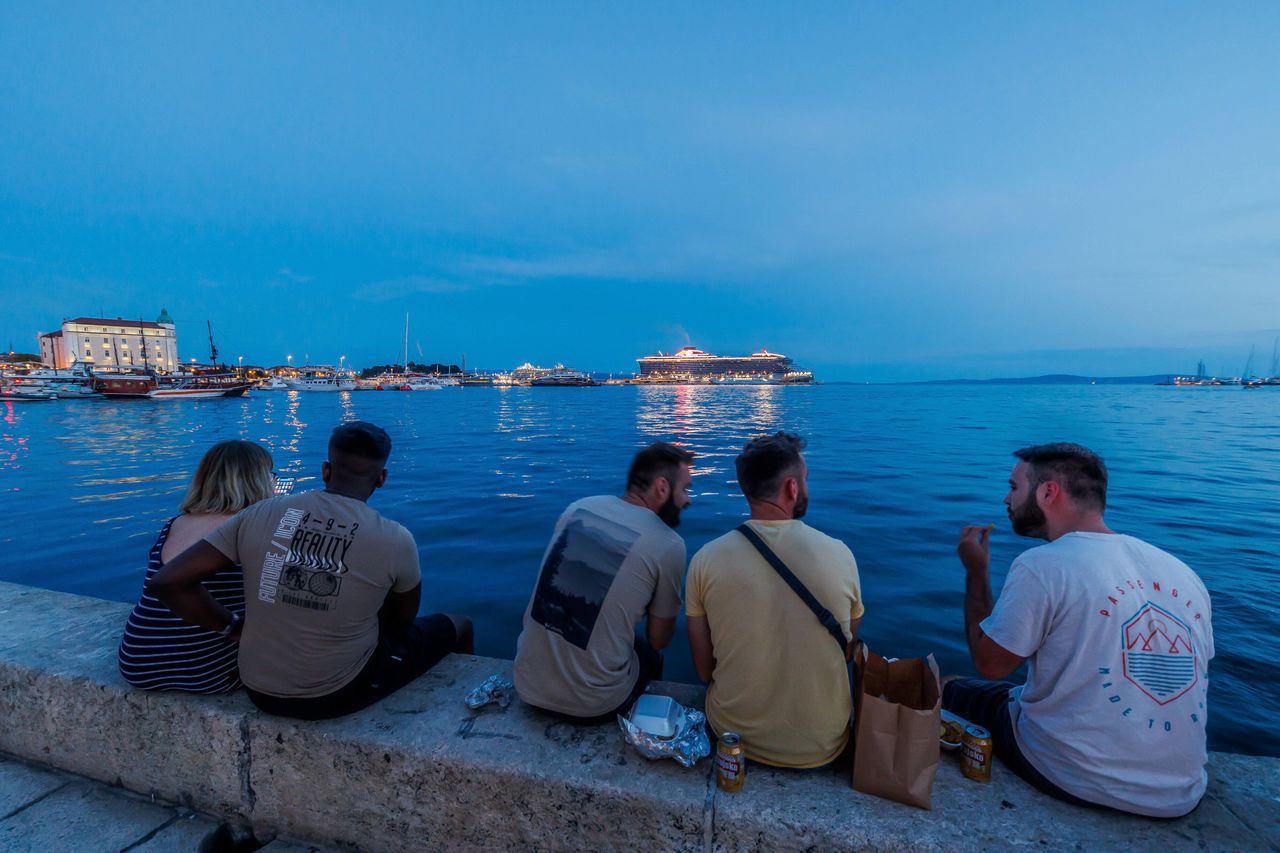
<point>824,615</point>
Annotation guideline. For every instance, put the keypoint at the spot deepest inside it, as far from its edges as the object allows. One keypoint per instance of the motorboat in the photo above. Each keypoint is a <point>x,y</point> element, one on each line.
<point>420,383</point>
<point>321,378</point>
<point>31,395</point>
<point>563,377</point>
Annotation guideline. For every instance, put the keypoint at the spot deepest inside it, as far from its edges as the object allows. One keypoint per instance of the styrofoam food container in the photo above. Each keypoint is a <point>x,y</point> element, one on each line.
<point>658,715</point>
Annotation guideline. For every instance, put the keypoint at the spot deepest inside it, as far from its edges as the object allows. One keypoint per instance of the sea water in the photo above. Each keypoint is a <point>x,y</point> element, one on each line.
<point>479,476</point>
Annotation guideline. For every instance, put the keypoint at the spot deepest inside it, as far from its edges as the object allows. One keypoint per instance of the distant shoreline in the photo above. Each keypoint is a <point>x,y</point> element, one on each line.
<point>1054,379</point>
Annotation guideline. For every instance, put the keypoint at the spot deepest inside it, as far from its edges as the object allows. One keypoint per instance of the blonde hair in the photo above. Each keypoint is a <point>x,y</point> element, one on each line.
<point>231,476</point>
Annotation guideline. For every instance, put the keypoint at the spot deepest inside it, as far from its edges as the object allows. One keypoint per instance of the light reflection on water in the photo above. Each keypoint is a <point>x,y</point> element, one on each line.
<point>480,475</point>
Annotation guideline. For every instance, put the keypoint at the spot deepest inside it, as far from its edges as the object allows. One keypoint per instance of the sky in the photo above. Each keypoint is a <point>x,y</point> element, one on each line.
<point>883,192</point>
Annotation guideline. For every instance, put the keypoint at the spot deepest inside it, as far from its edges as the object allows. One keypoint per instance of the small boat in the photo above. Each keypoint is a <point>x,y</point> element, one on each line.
<point>33,395</point>
<point>73,383</point>
<point>563,377</point>
<point>420,383</point>
<point>273,384</point>
<point>321,378</point>
<point>73,390</point>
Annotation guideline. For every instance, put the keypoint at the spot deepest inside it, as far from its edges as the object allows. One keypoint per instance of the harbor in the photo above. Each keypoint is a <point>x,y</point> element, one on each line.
<point>140,360</point>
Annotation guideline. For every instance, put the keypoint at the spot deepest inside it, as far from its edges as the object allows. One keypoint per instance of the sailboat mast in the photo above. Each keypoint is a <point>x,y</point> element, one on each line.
<point>406,342</point>
<point>213,349</point>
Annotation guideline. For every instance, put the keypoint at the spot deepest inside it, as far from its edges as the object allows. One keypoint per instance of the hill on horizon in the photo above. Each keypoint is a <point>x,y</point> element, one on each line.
<point>1054,379</point>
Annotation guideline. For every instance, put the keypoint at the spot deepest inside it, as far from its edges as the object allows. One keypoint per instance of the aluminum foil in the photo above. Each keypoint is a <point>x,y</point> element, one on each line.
<point>688,747</point>
<point>495,688</point>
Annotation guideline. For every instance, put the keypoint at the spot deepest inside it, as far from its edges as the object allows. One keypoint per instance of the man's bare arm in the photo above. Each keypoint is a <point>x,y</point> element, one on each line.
<point>659,630</point>
<point>401,608</point>
<point>992,660</point>
<point>853,638</point>
<point>180,586</point>
<point>704,659</point>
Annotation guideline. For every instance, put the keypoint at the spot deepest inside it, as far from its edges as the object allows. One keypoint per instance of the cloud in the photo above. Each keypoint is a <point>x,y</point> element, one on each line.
<point>288,276</point>
<point>397,288</point>
<point>707,259</point>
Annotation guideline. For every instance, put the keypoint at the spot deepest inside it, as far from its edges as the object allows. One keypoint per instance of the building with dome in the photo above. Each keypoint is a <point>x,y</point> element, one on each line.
<point>101,342</point>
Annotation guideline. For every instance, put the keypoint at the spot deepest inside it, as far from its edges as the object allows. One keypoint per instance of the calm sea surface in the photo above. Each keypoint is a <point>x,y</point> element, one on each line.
<point>479,476</point>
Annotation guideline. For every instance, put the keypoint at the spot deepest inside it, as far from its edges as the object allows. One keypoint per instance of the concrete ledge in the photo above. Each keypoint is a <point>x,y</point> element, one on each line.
<point>417,771</point>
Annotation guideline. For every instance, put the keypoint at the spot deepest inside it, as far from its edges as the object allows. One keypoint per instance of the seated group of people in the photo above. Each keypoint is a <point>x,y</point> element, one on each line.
<point>311,601</point>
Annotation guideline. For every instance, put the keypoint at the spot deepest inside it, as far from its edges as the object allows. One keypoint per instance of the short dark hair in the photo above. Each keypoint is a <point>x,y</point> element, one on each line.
<point>362,440</point>
<point>660,459</point>
<point>1078,470</point>
<point>766,461</point>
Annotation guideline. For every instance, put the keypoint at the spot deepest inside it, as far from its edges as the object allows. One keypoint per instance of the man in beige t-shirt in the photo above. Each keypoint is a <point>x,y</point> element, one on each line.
<point>613,562</point>
<point>331,591</point>
<point>776,676</point>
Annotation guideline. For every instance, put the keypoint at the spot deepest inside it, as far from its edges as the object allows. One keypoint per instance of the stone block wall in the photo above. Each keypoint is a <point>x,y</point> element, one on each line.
<point>419,771</point>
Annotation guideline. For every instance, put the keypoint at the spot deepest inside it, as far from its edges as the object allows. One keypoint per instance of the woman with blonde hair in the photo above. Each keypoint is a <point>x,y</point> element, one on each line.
<point>160,651</point>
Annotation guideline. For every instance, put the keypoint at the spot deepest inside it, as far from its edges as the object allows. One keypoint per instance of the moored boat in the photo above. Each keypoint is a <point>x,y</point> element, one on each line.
<point>563,377</point>
<point>189,384</point>
<point>422,383</point>
<point>321,378</point>
<point>30,395</point>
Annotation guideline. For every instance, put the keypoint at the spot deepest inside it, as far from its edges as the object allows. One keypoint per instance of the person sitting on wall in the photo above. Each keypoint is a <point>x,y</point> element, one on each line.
<point>160,650</point>
<point>1117,637</point>
<point>332,591</point>
<point>775,674</point>
<point>613,562</point>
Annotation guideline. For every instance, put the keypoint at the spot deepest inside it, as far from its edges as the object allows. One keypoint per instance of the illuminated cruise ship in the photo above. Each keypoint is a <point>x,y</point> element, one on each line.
<point>692,365</point>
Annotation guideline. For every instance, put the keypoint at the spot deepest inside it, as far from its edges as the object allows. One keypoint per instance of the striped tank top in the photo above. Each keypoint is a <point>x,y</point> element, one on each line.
<point>160,651</point>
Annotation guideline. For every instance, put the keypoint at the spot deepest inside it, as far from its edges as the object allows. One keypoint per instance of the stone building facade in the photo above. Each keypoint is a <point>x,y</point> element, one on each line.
<point>102,342</point>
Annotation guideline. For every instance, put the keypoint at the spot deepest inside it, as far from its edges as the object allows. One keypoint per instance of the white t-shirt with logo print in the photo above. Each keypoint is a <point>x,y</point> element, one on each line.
<point>1118,638</point>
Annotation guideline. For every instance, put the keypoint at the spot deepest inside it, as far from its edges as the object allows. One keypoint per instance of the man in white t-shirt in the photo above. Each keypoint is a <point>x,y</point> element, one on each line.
<point>1117,638</point>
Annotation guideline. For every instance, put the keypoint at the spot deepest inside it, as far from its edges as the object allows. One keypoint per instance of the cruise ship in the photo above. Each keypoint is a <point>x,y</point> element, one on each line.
<point>691,365</point>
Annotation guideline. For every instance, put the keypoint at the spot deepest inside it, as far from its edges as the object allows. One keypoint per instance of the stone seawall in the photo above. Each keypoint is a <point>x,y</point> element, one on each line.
<point>417,771</point>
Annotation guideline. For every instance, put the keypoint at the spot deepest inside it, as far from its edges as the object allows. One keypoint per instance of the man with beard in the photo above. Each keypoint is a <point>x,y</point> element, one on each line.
<point>776,677</point>
<point>612,563</point>
<point>1117,637</point>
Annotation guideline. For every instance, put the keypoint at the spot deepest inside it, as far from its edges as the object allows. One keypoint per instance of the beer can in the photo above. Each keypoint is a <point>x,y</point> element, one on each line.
<point>731,763</point>
<point>976,751</point>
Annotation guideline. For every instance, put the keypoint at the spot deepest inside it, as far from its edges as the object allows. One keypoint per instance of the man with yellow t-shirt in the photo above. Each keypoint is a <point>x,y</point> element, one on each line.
<point>776,677</point>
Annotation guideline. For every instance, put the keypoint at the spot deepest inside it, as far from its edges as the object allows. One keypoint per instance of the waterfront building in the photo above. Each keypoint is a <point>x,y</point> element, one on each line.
<point>103,342</point>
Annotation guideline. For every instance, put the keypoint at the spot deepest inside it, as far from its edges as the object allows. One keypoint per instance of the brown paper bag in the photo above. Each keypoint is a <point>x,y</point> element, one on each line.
<point>897,712</point>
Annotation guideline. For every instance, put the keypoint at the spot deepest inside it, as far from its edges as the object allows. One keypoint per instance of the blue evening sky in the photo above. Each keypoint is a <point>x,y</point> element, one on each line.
<point>882,191</point>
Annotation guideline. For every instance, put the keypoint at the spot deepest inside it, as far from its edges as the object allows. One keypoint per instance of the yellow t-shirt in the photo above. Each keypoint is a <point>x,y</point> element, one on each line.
<point>780,680</point>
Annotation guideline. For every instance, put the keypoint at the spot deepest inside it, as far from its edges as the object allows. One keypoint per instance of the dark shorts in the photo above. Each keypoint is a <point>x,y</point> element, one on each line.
<point>399,658</point>
<point>986,703</point>
<point>650,670</point>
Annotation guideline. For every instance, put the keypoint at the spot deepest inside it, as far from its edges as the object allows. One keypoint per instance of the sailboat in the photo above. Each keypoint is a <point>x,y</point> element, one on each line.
<point>406,381</point>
